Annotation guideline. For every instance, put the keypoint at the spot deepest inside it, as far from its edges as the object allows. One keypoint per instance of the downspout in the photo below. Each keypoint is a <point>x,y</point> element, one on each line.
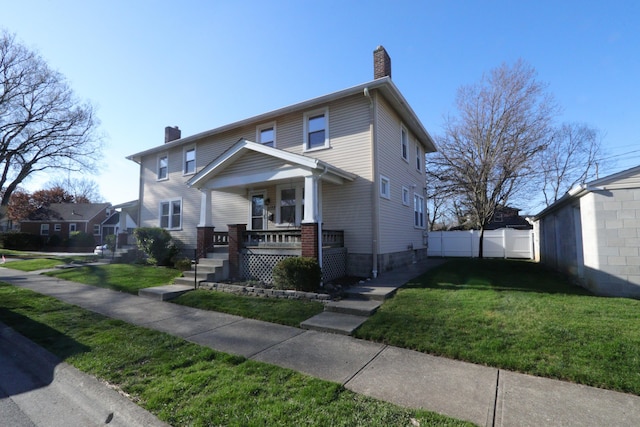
<point>375,202</point>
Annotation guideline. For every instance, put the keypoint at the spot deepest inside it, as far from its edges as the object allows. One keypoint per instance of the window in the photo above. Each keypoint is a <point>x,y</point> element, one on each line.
<point>404,143</point>
<point>171,214</point>
<point>385,187</point>
<point>96,229</point>
<point>44,229</point>
<point>266,134</point>
<point>498,217</point>
<point>405,196</point>
<point>72,228</point>
<point>190,161</point>
<point>290,204</point>
<point>163,167</point>
<point>316,129</point>
<point>418,211</point>
<point>57,227</point>
<point>419,158</point>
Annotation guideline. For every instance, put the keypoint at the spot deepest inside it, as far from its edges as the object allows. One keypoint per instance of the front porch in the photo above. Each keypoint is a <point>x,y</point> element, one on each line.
<point>252,254</point>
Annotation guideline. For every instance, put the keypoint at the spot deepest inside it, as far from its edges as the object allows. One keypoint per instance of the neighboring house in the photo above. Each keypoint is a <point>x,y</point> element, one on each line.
<point>508,217</point>
<point>593,233</point>
<point>121,223</point>
<point>61,219</point>
<point>340,178</point>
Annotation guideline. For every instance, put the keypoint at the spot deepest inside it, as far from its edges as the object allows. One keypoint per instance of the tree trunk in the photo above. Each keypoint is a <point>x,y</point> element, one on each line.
<point>481,243</point>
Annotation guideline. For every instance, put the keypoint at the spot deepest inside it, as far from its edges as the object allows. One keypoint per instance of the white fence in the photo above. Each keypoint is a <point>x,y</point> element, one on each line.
<point>504,243</point>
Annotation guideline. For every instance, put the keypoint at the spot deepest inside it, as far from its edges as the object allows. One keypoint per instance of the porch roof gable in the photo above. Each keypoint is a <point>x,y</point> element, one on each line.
<point>229,157</point>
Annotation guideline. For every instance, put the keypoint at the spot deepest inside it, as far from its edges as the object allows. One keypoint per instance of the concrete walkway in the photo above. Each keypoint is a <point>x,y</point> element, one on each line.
<point>483,395</point>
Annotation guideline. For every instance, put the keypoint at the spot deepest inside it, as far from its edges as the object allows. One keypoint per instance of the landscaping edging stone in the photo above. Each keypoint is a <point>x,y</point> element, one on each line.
<point>261,292</point>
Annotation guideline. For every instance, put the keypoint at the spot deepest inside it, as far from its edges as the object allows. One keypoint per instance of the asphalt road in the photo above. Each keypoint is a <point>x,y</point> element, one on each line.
<point>36,389</point>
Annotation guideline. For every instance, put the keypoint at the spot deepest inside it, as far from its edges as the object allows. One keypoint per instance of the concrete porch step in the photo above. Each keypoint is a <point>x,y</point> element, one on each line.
<point>337,323</point>
<point>371,292</point>
<point>354,305</point>
<point>163,293</point>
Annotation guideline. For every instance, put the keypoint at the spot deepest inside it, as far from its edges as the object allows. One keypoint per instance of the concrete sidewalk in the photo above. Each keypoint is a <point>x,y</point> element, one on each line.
<point>483,395</point>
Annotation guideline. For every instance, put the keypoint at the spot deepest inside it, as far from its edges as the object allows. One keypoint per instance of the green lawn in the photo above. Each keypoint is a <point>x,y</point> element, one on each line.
<point>283,311</point>
<point>119,277</point>
<point>518,316</point>
<point>186,384</point>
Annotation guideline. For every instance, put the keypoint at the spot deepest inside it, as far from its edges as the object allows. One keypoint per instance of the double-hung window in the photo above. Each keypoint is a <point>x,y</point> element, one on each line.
<point>96,229</point>
<point>316,129</point>
<point>44,229</point>
<point>385,187</point>
<point>171,214</point>
<point>266,134</point>
<point>406,198</point>
<point>290,204</point>
<point>190,160</point>
<point>163,167</point>
<point>418,211</point>
<point>404,143</point>
<point>419,158</point>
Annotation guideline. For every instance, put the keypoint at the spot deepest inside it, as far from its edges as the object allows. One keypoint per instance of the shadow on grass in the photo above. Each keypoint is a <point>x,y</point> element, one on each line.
<point>30,363</point>
<point>496,275</point>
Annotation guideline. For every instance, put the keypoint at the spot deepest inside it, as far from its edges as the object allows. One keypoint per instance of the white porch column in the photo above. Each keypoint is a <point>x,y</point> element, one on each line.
<point>311,199</point>
<point>206,219</point>
<point>313,207</point>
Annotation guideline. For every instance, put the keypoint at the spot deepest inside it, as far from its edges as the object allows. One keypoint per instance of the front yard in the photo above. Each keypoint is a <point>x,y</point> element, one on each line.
<point>518,316</point>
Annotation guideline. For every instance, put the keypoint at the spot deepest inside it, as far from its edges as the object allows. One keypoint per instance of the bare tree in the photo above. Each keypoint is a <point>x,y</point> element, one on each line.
<point>572,157</point>
<point>491,147</point>
<point>83,190</point>
<point>42,124</point>
<point>439,194</point>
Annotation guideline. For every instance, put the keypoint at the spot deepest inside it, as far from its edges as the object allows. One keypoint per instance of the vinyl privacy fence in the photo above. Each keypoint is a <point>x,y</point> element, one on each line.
<point>504,243</point>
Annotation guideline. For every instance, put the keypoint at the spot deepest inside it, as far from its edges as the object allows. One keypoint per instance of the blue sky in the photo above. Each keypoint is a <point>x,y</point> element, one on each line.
<point>201,64</point>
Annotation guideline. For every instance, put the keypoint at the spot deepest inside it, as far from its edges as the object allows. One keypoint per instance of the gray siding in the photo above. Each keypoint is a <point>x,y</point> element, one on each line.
<point>397,220</point>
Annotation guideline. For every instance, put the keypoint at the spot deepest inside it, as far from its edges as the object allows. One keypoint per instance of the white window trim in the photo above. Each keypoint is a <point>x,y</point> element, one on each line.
<point>43,228</point>
<point>415,221</point>
<point>305,138</point>
<point>404,144</point>
<point>57,227</point>
<point>161,156</point>
<point>406,199</point>
<point>170,202</point>
<point>385,194</point>
<point>299,199</point>
<point>73,227</point>
<point>264,126</point>
<point>96,229</point>
<point>185,150</point>
<point>419,161</point>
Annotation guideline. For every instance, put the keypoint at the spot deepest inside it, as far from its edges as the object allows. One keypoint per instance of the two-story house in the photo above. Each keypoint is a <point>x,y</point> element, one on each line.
<point>340,178</point>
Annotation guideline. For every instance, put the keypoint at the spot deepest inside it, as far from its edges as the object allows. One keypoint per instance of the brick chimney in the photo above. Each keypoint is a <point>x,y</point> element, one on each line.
<point>381,63</point>
<point>171,134</point>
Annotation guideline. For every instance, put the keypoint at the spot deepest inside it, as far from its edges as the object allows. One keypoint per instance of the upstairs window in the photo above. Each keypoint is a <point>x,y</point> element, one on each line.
<point>189,161</point>
<point>163,167</point>
<point>266,135</point>
<point>419,158</point>
<point>404,143</point>
<point>316,129</point>
<point>171,214</point>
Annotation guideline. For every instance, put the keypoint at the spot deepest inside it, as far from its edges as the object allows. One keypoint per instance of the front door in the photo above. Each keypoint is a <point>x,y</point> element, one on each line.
<point>257,211</point>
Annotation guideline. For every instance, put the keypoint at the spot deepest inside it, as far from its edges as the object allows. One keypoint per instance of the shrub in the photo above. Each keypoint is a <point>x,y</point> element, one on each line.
<point>182,264</point>
<point>54,240</point>
<point>157,244</point>
<point>20,241</point>
<point>299,273</point>
<point>110,241</point>
<point>80,239</point>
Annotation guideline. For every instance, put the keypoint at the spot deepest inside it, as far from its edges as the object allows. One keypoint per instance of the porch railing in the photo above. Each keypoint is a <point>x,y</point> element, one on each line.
<point>273,238</point>
<point>291,238</point>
